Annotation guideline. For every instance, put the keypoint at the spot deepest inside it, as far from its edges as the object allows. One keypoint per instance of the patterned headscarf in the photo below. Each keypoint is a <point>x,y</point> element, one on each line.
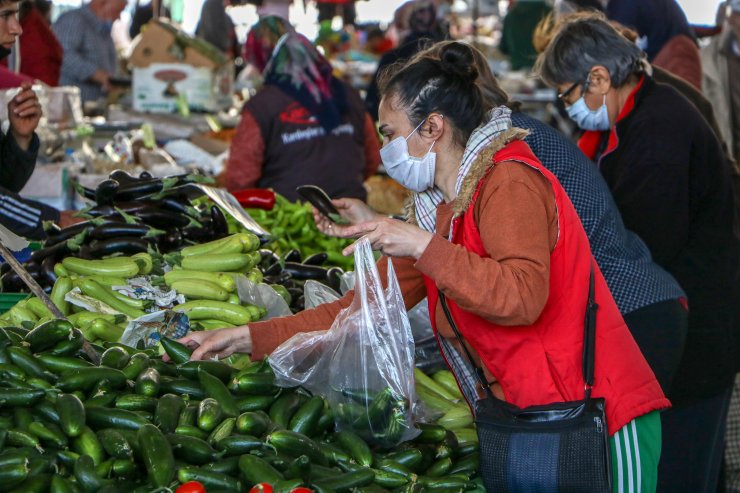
<point>290,62</point>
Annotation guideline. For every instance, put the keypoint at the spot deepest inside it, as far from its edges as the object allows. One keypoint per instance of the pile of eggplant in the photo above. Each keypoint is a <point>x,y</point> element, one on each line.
<point>131,215</point>
<point>291,272</point>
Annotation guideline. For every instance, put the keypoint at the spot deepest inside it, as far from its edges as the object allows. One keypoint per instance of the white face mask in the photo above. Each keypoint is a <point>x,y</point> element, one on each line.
<point>414,173</point>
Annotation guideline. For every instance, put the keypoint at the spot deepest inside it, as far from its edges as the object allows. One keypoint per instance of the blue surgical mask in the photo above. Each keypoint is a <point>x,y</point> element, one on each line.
<point>414,173</point>
<point>588,119</point>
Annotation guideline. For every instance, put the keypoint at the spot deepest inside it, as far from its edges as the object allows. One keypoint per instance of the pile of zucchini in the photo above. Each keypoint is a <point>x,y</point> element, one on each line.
<point>138,424</point>
<point>204,274</point>
<point>131,215</point>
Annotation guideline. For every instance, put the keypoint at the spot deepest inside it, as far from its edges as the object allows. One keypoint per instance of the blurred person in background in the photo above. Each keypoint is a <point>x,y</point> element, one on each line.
<point>423,28</point>
<point>216,27</point>
<point>41,54</point>
<point>672,184</point>
<point>144,13</point>
<point>19,146</point>
<point>303,126</point>
<point>520,22</point>
<point>90,57</point>
<point>663,31</point>
<point>721,63</point>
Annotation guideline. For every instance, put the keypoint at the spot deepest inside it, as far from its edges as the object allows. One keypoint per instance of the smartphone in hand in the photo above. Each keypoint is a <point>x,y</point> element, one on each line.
<point>319,199</point>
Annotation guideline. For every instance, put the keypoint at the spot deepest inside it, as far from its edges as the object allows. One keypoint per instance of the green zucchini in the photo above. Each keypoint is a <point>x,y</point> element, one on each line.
<point>182,386</point>
<point>86,378</point>
<point>87,479</point>
<point>349,481</point>
<point>156,455</point>
<point>216,389</point>
<point>238,444</point>
<point>48,335</point>
<point>218,369</point>
<point>101,417</point>
<point>221,431</point>
<point>219,310</point>
<point>255,470</point>
<point>249,383</point>
<point>357,448</point>
<point>136,402</point>
<point>167,413</point>
<point>22,358</point>
<point>20,397</point>
<point>294,444</point>
<point>13,474</point>
<point>192,450</point>
<point>60,364</point>
<point>306,419</point>
<point>115,444</point>
<point>210,414</point>
<point>69,347</point>
<point>191,431</point>
<point>284,407</point>
<point>48,433</point>
<point>253,423</point>
<point>255,403</point>
<point>148,382</point>
<point>115,357</point>
<point>228,465</point>
<point>209,479</point>
<point>188,415</point>
<point>87,443</point>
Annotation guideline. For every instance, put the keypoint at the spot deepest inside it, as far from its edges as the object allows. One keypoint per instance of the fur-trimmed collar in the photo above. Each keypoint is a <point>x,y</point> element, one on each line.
<point>482,164</point>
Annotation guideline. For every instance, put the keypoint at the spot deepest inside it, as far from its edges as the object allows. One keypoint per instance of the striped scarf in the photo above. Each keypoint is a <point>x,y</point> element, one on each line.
<point>426,203</point>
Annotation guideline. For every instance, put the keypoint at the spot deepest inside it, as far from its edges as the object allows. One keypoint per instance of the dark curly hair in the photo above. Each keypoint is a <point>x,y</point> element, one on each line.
<point>445,85</point>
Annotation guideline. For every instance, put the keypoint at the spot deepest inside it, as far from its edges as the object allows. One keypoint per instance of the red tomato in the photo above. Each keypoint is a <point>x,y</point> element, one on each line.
<point>191,487</point>
<point>301,489</point>
<point>261,488</point>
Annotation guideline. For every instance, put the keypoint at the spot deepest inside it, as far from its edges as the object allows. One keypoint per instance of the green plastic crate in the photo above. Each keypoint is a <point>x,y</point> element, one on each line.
<point>9,300</point>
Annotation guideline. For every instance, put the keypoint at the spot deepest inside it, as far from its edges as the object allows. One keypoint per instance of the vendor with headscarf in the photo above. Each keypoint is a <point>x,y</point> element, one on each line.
<point>304,126</point>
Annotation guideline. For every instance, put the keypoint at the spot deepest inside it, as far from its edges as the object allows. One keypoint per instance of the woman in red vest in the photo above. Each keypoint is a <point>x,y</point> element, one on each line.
<point>494,230</point>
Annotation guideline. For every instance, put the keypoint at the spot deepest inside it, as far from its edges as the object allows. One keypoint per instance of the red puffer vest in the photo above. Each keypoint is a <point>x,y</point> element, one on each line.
<point>542,363</point>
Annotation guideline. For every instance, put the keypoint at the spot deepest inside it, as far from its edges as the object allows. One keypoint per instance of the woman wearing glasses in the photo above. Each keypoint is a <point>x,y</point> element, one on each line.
<point>671,183</point>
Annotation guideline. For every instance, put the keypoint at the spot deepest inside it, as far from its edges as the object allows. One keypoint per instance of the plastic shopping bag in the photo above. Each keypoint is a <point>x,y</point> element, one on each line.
<point>364,364</point>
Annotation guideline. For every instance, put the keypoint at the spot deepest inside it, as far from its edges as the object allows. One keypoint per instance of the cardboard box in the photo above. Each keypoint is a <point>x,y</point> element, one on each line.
<point>162,42</point>
<point>50,184</point>
<point>156,88</point>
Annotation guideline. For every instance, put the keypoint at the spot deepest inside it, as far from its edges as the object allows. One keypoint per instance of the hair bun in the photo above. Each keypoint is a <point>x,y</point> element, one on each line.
<point>456,59</point>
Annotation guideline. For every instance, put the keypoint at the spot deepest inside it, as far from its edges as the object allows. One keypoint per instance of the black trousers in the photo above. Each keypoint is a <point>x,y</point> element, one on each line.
<point>660,332</point>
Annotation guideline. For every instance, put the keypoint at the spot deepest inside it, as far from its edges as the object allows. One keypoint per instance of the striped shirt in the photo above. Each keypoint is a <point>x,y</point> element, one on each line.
<point>22,216</point>
<point>88,47</point>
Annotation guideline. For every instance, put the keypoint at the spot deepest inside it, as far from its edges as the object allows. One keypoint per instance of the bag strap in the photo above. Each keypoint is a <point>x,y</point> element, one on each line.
<point>589,342</point>
<point>589,337</point>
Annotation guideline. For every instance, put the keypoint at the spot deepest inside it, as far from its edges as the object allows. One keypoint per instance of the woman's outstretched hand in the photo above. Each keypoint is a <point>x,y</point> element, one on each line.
<point>220,343</point>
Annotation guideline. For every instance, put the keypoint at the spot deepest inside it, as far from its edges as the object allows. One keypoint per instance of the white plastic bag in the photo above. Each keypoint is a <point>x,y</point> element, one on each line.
<point>317,293</point>
<point>364,364</point>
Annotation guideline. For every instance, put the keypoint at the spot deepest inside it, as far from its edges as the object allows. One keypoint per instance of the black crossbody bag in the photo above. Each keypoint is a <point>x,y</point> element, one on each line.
<point>554,448</point>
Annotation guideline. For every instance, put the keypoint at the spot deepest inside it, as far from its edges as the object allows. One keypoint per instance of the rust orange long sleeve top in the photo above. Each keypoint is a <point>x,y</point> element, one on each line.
<point>517,219</point>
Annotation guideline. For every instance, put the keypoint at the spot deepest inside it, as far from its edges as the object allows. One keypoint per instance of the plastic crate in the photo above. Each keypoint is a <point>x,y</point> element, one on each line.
<point>9,300</point>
